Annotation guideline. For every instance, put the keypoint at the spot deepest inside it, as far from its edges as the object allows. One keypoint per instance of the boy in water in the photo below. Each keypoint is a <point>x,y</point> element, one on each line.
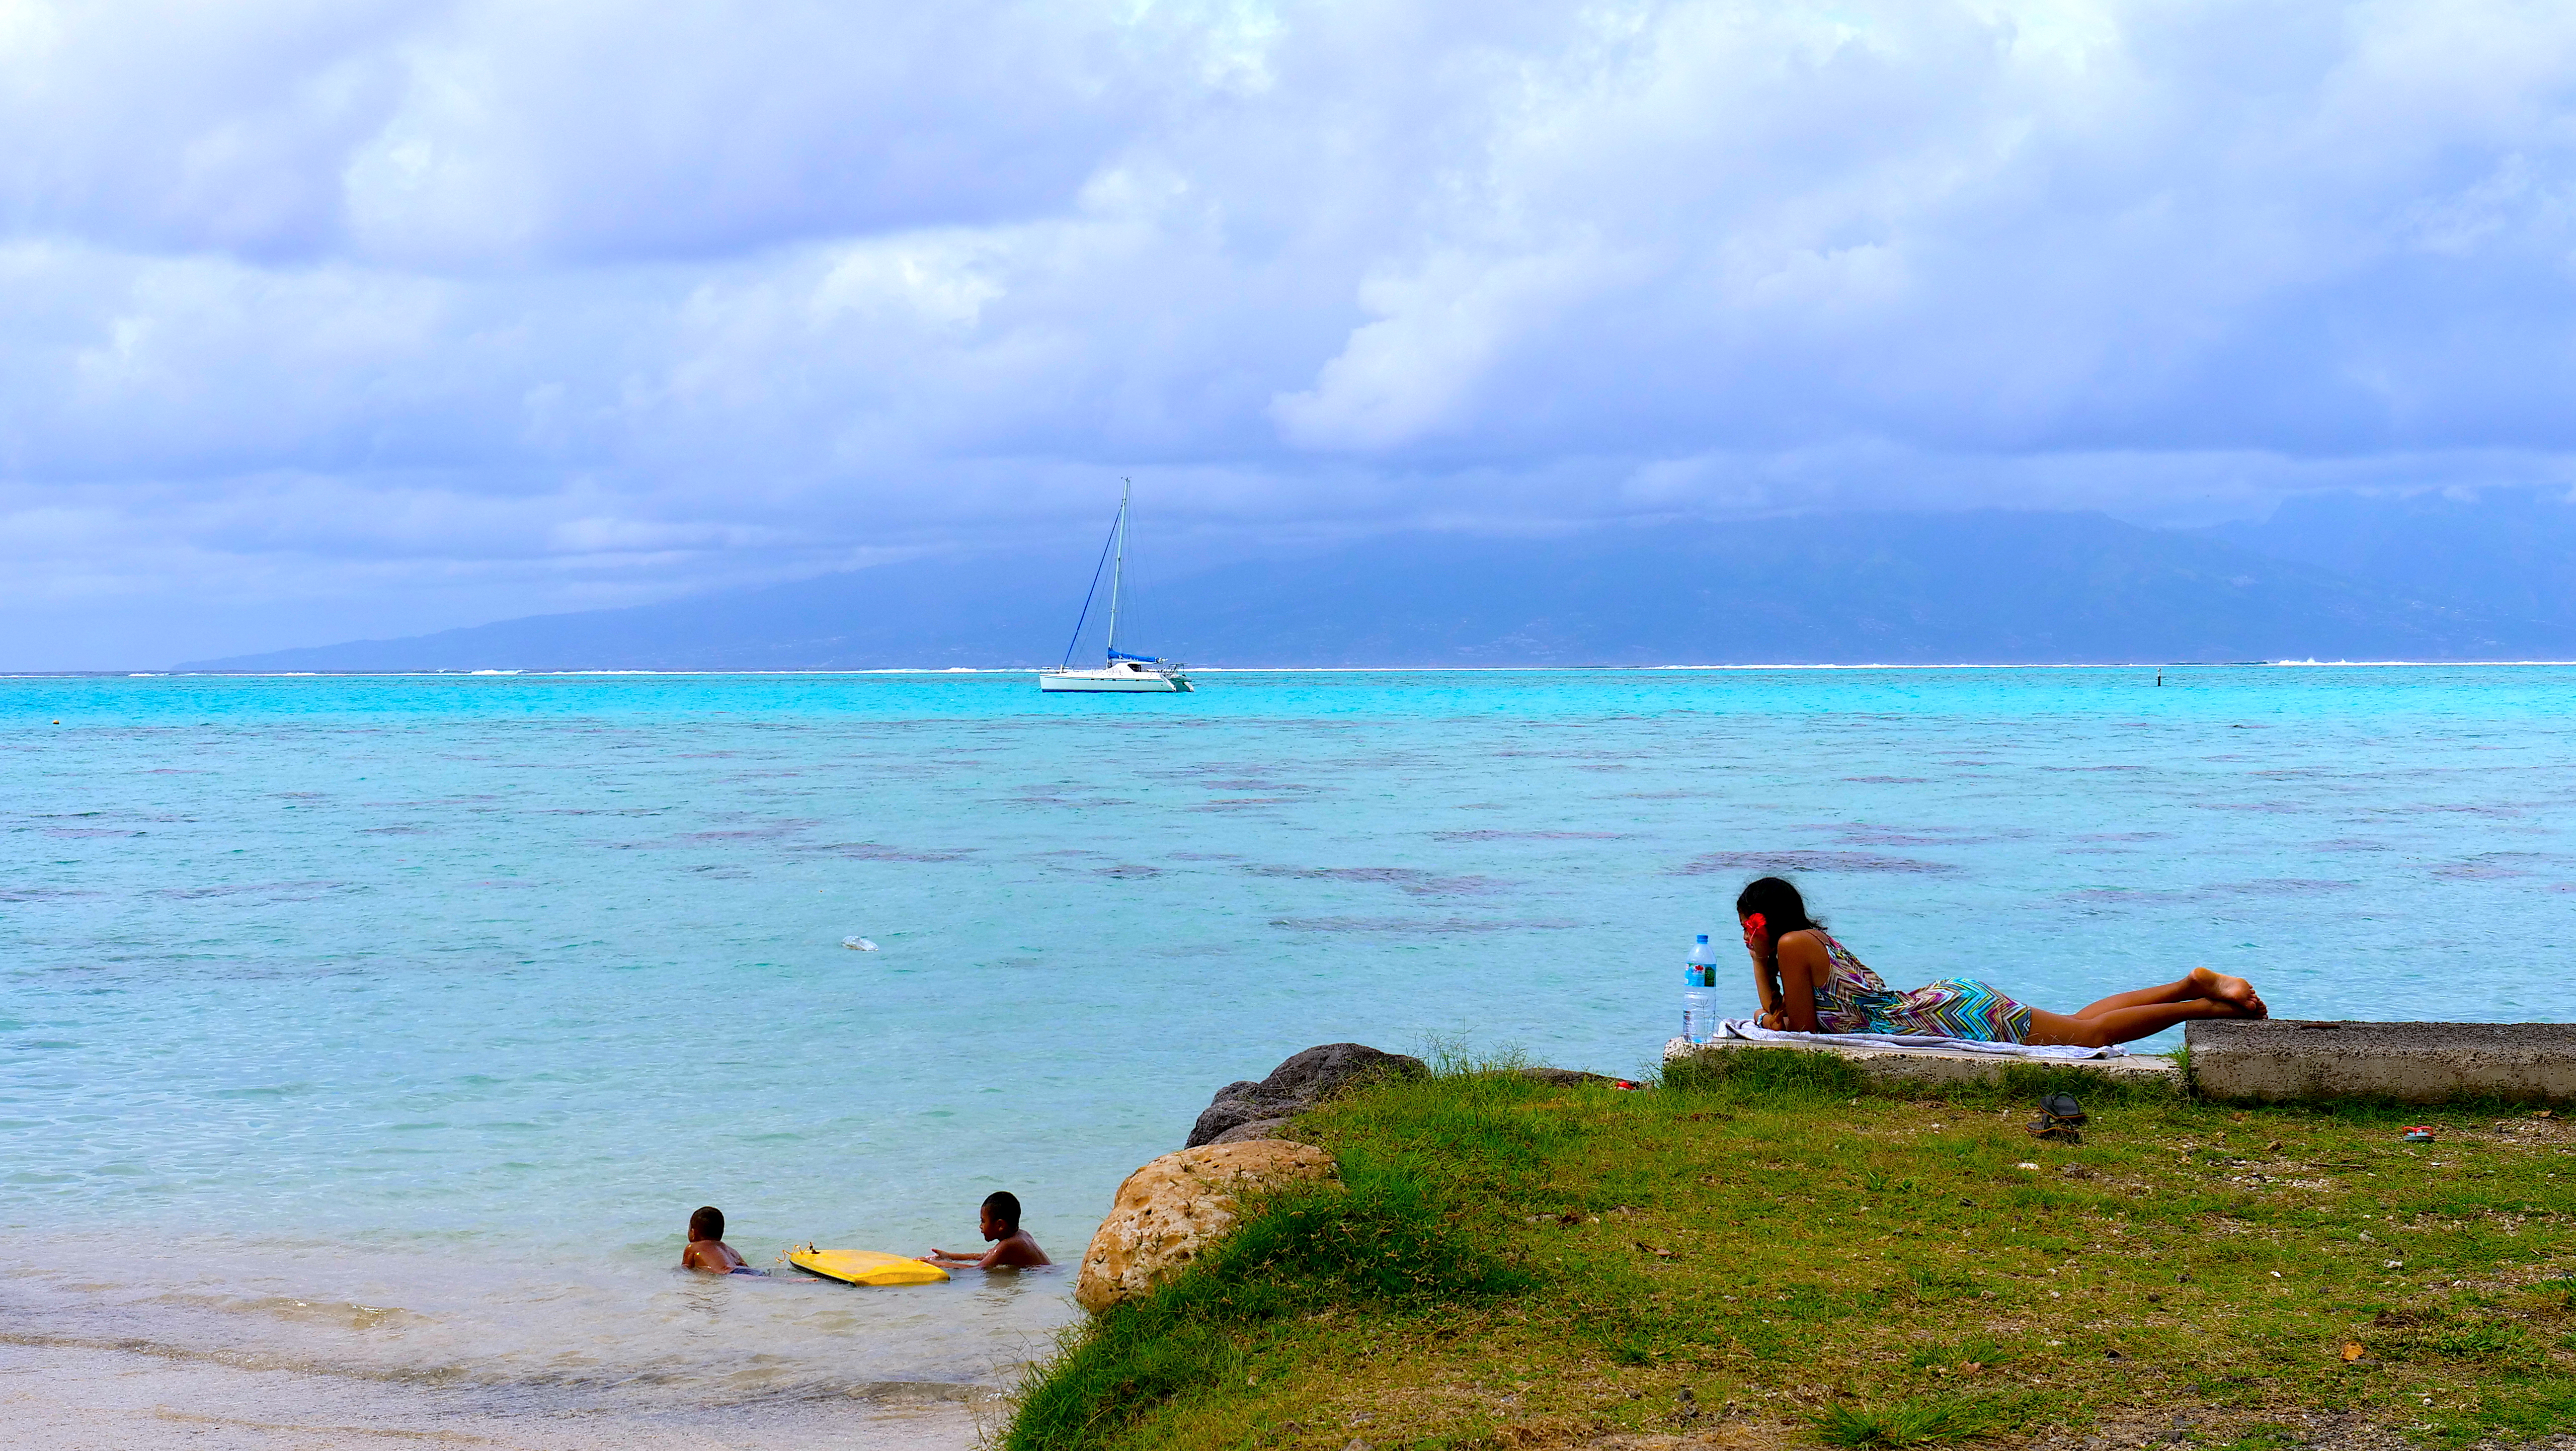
<point>707,1250</point>
<point>1012,1248</point>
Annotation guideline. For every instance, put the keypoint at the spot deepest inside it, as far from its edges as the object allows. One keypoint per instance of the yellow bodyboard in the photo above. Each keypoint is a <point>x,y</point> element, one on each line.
<point>865,1267</point>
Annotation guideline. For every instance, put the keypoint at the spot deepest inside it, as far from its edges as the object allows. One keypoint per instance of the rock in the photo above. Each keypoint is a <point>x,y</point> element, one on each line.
<point>1565,1077</point>
<point>1297,1085</point>
<point>1260,1128</point>
<point>1174,1207</point>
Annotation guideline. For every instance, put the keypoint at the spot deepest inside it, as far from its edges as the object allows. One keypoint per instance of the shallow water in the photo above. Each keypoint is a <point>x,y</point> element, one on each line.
<point>395,1025</point>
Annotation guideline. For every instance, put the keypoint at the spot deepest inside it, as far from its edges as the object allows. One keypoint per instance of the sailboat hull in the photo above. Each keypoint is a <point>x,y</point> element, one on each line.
<point>1120,681</point>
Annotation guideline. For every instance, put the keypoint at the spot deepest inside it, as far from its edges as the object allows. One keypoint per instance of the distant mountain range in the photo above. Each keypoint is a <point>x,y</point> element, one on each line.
<point>2507,553</point>
<point>2333,578</point>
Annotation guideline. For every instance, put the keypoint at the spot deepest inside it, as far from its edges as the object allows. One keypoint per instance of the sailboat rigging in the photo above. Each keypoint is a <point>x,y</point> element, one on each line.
<point>1122,672</point>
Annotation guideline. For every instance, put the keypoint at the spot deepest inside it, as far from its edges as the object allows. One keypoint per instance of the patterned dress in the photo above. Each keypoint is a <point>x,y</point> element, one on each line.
<point>1854,1000</point>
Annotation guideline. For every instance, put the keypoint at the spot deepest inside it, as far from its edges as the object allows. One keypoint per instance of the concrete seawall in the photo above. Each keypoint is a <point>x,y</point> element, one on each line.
<point>2274,1059</point>
<point>1934,1065</point>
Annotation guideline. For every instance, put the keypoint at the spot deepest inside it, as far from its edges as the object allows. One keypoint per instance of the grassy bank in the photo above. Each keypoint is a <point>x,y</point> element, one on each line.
<point>1774,1252</point>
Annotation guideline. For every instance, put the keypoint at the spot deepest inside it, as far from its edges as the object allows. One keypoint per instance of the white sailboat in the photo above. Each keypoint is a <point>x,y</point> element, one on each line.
<point>1122,672</point>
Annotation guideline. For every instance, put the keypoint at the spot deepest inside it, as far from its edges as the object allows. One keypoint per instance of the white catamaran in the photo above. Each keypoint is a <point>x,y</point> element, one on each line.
<point>1123,672</point>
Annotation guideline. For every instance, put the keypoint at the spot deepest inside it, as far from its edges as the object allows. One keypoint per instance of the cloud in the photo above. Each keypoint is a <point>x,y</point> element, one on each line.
<point>433,312</point>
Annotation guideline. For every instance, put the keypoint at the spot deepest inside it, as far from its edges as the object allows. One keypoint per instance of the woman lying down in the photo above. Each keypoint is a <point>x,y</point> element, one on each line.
<point>1810,983</point>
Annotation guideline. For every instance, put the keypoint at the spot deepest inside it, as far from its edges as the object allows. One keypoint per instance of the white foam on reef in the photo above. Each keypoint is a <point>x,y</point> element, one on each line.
<point>2419,664</point>
<point>1758,666</point>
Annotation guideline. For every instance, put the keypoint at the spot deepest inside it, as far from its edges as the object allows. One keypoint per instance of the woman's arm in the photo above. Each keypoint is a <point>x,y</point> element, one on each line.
<point>1803,968</point>
<point>1766,987</point>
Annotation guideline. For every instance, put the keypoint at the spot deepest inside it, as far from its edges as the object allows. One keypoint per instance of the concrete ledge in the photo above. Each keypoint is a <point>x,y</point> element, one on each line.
<point>1935,1065</point>
<point>2270,1059</point>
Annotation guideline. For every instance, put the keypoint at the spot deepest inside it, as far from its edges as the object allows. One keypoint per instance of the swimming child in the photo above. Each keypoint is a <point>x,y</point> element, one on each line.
<point>707,1250</point>
<point>1012,1248</point>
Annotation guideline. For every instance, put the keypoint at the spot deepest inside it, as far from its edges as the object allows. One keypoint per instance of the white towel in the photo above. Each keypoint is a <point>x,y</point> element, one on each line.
<point>1752,1031</point>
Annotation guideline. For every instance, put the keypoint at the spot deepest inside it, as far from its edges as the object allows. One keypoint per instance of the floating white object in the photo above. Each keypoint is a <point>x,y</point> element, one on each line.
<point>859,944</point>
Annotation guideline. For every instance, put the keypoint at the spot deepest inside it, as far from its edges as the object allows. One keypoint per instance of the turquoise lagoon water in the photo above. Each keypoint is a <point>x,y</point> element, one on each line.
<point>392,1026</point>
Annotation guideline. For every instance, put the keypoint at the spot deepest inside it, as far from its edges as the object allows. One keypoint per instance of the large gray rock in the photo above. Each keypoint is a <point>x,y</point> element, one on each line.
<point>1295,1086</point>
<point>2283,1058</point>
<point>1260,1128</point>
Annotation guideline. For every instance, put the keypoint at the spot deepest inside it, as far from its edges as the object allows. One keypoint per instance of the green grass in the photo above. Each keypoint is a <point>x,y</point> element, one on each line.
<point>1771,1244</point>
<point>1861,1428</point>
<point>1386,1242</point>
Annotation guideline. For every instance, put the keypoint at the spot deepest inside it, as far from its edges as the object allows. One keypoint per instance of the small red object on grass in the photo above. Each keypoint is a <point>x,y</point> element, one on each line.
<point>2420,1134</point>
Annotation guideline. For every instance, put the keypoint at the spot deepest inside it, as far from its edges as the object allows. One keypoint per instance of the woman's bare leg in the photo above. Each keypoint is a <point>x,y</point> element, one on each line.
<point>2203,983</point>
<point>2182,991</point>
<point>2233,990</point>
<point>2122,1025</point>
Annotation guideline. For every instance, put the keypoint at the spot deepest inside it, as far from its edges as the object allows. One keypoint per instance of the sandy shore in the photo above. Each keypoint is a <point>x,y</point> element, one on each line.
<point>83,1398</point>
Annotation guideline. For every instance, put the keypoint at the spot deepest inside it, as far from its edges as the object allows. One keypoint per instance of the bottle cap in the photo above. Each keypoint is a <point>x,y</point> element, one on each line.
<point>1703,937</point>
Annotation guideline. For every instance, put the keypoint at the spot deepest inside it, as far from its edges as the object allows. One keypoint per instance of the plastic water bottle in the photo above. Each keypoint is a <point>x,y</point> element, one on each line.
<point>1699,992</point>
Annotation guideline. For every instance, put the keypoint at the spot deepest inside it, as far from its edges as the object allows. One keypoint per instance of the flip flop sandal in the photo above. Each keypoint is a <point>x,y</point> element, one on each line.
<point>2062,1107</point>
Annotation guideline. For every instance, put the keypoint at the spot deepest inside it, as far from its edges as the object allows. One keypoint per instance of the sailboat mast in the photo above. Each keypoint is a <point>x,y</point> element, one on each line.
<point>1119,572</point>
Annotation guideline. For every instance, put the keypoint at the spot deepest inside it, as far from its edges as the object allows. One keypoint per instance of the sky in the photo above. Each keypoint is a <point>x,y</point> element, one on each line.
<point>323,319</point>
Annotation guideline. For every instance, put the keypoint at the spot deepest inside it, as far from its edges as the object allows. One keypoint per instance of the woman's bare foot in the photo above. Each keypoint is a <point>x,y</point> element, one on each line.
<point>2236,992</point>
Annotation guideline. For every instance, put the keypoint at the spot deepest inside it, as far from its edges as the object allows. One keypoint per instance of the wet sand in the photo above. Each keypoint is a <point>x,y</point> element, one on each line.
<point>57,1397</point>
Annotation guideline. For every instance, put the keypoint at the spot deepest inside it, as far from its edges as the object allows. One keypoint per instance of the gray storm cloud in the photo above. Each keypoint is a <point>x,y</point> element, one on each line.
<point>318,320</point>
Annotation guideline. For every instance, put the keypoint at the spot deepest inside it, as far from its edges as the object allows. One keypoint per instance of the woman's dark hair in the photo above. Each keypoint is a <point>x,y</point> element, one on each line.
<point>1782,909</point>
<point>707,1223</point>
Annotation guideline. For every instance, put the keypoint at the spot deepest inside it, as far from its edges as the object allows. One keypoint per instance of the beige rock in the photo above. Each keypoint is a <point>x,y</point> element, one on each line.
<point>1174,1207</point>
